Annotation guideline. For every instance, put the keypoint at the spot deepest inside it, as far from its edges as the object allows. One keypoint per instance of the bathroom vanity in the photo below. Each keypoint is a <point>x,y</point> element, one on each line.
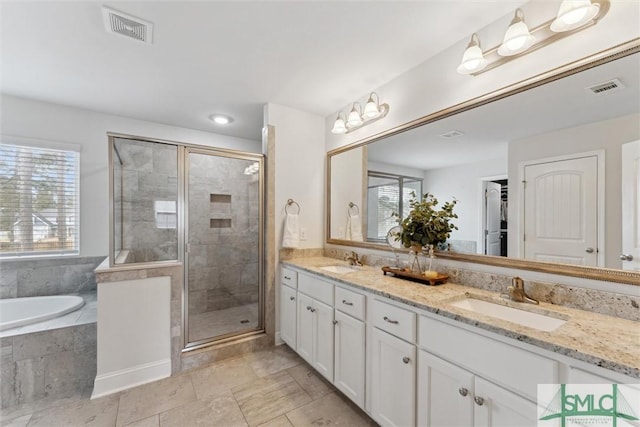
<point>410,354</point>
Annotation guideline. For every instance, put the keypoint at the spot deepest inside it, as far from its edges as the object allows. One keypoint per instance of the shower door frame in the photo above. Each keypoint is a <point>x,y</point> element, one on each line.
<point>184,221</point>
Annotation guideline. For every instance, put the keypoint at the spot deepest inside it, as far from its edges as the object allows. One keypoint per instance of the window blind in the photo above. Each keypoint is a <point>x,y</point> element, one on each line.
<point>39,201</point>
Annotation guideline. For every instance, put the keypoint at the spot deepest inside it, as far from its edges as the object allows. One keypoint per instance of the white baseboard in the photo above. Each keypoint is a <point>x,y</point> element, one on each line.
<point>278,339</point>
<point>113,382</point>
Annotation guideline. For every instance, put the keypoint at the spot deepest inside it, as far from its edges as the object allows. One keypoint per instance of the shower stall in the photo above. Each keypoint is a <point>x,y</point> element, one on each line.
<point>203,207</point>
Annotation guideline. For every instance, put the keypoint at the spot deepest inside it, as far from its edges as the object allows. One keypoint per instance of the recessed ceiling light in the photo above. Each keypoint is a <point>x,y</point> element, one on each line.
<point>220,119</point>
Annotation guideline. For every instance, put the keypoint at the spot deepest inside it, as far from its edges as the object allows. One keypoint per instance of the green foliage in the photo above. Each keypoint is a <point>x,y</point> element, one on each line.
<point>425,224</point>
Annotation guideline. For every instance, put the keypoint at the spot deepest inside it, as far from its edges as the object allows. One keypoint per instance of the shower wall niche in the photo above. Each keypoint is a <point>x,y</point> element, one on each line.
<point>145,201</point>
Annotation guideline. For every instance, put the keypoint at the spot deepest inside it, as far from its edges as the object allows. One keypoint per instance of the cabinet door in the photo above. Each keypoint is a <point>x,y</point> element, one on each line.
<point>495,406</point>
<point>323,339</point>
<point>288,319</point>
<point>393,370</point>
<point>349,357</point>
<point>445,393</point>
<point>304,335</point>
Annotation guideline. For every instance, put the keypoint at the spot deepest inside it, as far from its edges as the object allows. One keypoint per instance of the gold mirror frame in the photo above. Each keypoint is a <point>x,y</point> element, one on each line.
<point>596,273</point>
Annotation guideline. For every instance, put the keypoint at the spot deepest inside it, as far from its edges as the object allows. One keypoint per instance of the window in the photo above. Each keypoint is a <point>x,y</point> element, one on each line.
<point>384,200</point>
<point>166,216</point>
<point>39,200</point>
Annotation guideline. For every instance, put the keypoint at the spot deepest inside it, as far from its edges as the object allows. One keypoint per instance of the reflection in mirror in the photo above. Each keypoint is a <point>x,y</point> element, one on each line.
<point>537,174</point>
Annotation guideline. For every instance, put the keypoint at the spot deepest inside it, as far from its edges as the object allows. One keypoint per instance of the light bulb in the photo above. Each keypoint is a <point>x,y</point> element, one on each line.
<point>574,14</point>
<point>371,108</point>
<point>354,118</point>
<point>473,58</point>
<point>338,125</point>
<point>517,39</point>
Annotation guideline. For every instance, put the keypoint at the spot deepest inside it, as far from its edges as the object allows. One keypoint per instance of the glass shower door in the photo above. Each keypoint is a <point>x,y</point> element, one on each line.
<point>223,199</point>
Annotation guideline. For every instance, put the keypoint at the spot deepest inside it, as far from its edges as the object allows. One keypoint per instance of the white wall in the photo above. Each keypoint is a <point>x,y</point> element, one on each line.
<point>463,183</point>
<point>27,118</point>
<point>435,85</point>
<point>134,339</point>
<point>607,135</point>
<point>395,169</point>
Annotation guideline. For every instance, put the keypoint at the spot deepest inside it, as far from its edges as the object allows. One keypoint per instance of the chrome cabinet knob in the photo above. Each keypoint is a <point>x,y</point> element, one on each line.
<point>406,360</point>
<point>626,257</point>
<point>589,250</point>
<point>463,391</point>
<point>479,400</point>
<point>335,322</point>
<point>313,310</point>
<point>308,308</point>
<point>292,298</point>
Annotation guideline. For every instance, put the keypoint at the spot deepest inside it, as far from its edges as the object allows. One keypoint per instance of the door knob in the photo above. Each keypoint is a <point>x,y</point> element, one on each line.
<point>626,257</point>
<point>463,391</point>
<point>589,250</point>
<point>479,400</point>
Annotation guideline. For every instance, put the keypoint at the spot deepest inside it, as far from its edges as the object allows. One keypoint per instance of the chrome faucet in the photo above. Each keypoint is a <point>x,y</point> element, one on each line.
<point>517,293</point>
<point>353,259</point>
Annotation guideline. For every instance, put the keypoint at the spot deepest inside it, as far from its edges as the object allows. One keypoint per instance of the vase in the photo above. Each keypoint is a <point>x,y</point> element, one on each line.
<point>414,258</point>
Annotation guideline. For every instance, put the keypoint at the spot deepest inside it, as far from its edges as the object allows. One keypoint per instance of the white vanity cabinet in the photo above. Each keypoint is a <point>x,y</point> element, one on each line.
<point>315,328</point>
<point>288,321</point>
<point>350,332</point>
<point>393,365</point>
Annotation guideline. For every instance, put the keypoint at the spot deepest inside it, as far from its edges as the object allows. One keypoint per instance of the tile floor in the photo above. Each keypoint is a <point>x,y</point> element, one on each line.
<point>220,322</point>
<point>268,388</point>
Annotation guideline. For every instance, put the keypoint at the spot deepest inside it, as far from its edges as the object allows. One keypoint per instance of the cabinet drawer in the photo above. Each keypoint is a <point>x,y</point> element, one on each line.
<point>350,303</point>
<point>395,320</point>
<point>319,289</point>
<point>289,277</point>
<point>494,360</point>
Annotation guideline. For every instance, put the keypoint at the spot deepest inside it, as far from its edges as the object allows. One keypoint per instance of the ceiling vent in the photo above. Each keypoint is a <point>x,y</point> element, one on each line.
<point>452,134</point>
<point>116,22</point>
<point>608,87</point>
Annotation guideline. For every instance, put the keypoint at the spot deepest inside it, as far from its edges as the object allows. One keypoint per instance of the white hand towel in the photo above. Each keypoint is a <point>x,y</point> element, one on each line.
<point>347,229</point>
<point>355,228</point>
<point>291,232</point>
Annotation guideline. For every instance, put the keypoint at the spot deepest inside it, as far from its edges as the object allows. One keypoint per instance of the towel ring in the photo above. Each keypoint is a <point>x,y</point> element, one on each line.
<point>291,202</point>
<point>354,207</point>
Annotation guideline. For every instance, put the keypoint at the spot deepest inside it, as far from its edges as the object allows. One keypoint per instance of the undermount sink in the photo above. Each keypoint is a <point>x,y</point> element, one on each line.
<point>339,269</point>
<point>522,317</point>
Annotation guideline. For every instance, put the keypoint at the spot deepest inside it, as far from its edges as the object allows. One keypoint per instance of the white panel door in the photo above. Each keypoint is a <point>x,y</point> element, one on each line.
<point>349,361</point>
<point>560,211</point>
<point>445,393</point>
<point>304,334</point>
<point>288,319</point>
<point>630,255</point>
<point>323,330</point>
<point>393,369</point>
<point>492,225</point>
<point>497,407</point>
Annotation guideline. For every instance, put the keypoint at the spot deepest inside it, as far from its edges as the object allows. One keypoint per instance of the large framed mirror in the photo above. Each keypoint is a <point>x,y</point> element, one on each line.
<point>546,173</point>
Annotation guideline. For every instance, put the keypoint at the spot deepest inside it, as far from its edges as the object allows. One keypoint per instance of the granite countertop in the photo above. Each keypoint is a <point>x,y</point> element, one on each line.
<point>610,342</point>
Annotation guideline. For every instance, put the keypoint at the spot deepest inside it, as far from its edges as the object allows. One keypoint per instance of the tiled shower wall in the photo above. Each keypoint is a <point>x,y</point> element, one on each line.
<point>148,173</point>
<point>223,234</point>
<point>29,278</point>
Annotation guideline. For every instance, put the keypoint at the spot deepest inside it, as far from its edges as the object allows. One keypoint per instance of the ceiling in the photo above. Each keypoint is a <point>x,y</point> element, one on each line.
<point>227,57</point>
<point>487,130</point>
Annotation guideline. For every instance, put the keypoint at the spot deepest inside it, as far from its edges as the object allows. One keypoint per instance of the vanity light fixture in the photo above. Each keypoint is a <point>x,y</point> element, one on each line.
<point>358,117</point>
<point>473,58</point>
<point>517,39</point>
<point>573,16</point>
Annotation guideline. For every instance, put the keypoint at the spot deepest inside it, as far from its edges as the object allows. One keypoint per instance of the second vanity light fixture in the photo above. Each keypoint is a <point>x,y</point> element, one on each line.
<point>358,117</point>
<point>573,16</point>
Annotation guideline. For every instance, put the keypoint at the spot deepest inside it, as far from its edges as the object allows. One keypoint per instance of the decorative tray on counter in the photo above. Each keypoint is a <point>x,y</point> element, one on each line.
<point>407,275</point>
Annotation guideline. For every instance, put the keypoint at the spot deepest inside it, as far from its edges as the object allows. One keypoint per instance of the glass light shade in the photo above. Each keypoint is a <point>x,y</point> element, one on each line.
<point>574,14</point>
<point>339,126</point>
<point>354,118</point>
<point>371,108</point>
<point>472,60</point>
<point>517,39</point>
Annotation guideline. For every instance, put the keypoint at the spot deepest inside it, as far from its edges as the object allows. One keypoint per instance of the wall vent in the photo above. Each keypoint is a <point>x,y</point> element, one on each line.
<point>119,23</point>
<point>608,87</point>
<point>452,134</point>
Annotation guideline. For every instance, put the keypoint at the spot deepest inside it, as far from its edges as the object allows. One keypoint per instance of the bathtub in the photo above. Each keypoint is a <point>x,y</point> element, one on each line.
<point>16,312</point>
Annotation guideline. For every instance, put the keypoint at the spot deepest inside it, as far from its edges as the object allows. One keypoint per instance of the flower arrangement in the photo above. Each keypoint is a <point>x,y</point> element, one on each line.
<point>426,225</point>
